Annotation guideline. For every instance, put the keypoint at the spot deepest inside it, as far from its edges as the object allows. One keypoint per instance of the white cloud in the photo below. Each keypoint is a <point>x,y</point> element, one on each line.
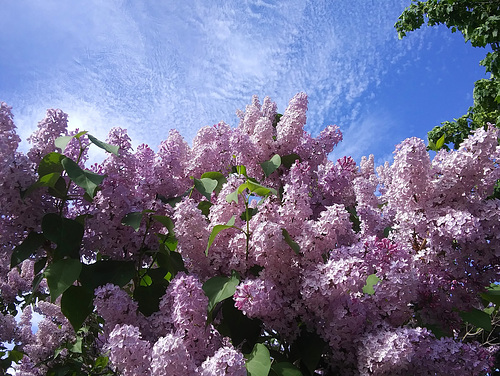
<point>155,66</point>
<point>366,131</point>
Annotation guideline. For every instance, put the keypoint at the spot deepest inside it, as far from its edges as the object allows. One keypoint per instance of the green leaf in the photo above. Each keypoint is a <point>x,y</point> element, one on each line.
<point>62,142</point>
<point>219,228</point>
<point>146,280</point>
<point>172,201</point>
<point>204,206</point>
<point>101,362</point>
<point>290,241</point>
<point>61,275</point>
<point>387,231</point>
<point>76,305</point>
<point>371,281</point>
<point>171,261</point>
<point>77,346</point>
<point>241,170</point>
<point>86,179</point>
<point>288,160</point>
<point>354,218</point>
<point>477,318</point>
<point>165,221</point>
<point>440,142</point>
<point>149,297</point>
<point>108,271</point>
<point>256,188</point>
<point>438,331</point>
<point>15,355</point>
<point>286,369</point>
<point>66,233</point>
<point>50,180</point>
<point>233,196</point>
<point>271,165</point>
<point>28,247</point>
<point>80,134</point>
<point>248,214</point>
<point>59,189</point>
<point>258,361</point>
<point>276,119</point>
<point>215,175</point>
<point>309,349</point>
<point>51,163</point>
<point>492,294</point>
<point>432,145</point>
<point>109,148</point>
<point>243,331</point>
<point>170,241</point>
<point>219,288</point>
<point>205,186</point>
<point>133,220</point>
<point>39,265</point>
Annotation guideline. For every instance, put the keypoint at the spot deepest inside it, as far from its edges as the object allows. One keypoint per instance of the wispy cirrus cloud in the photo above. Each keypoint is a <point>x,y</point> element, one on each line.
<point>153,66</point>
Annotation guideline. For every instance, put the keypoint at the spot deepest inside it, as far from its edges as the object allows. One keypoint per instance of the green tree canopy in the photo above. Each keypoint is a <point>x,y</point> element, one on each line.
<point>479,23</point>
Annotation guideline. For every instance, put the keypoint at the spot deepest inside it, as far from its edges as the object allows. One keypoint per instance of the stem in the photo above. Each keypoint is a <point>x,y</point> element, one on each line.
<point>141,253</point>
<point>247,233</point>
<point>66,194</point>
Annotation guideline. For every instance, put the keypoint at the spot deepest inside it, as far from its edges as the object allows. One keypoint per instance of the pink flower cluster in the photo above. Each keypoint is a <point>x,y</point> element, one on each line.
<point>365,258</point>
<point>174,340</point>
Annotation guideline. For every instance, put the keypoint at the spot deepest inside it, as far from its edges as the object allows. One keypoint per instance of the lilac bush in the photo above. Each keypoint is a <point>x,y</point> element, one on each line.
<point>250,253</point>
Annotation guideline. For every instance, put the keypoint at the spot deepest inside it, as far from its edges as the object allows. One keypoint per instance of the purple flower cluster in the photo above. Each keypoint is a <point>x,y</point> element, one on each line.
<point>365,258</point>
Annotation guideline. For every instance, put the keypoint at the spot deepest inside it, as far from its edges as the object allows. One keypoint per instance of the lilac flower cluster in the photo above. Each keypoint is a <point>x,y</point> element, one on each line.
<point>174,340</point>
<point>367,259</point>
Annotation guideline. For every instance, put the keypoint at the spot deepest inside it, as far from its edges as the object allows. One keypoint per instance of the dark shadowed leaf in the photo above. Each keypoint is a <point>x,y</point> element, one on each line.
<point>28,247</point>
<point>290,241</point>
<point>61,275</point>
<point>52,181</point>
<point>108,271</point>
<point>248,214</point>
<point>148,298</point>
<point>477,318</point>
<point>288,160</point>
<point>133,220</point>
<point>66,233</point>
<point>205,206</point>
<point>356,222</point>
<point>285,369</point>
<point>76,305</point>
<point>241,329</point>
<point>51,163</point>
<point>492,294</point>
<point>165,221</point>
<point>309,348</point>
<point>86,179</point>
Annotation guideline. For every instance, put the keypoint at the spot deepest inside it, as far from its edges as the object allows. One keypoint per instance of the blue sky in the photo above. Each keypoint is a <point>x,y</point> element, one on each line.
<point>150,66</point>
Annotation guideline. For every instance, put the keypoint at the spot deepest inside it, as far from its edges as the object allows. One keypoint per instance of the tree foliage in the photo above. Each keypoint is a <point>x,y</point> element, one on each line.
<point>479,23</point>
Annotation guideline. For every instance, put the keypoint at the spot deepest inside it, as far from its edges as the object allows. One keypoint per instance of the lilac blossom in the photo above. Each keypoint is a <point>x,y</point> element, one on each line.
<point>128,353</point>
<point>42,140</point>
<point>427,229</point>
<point>226,361</point>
